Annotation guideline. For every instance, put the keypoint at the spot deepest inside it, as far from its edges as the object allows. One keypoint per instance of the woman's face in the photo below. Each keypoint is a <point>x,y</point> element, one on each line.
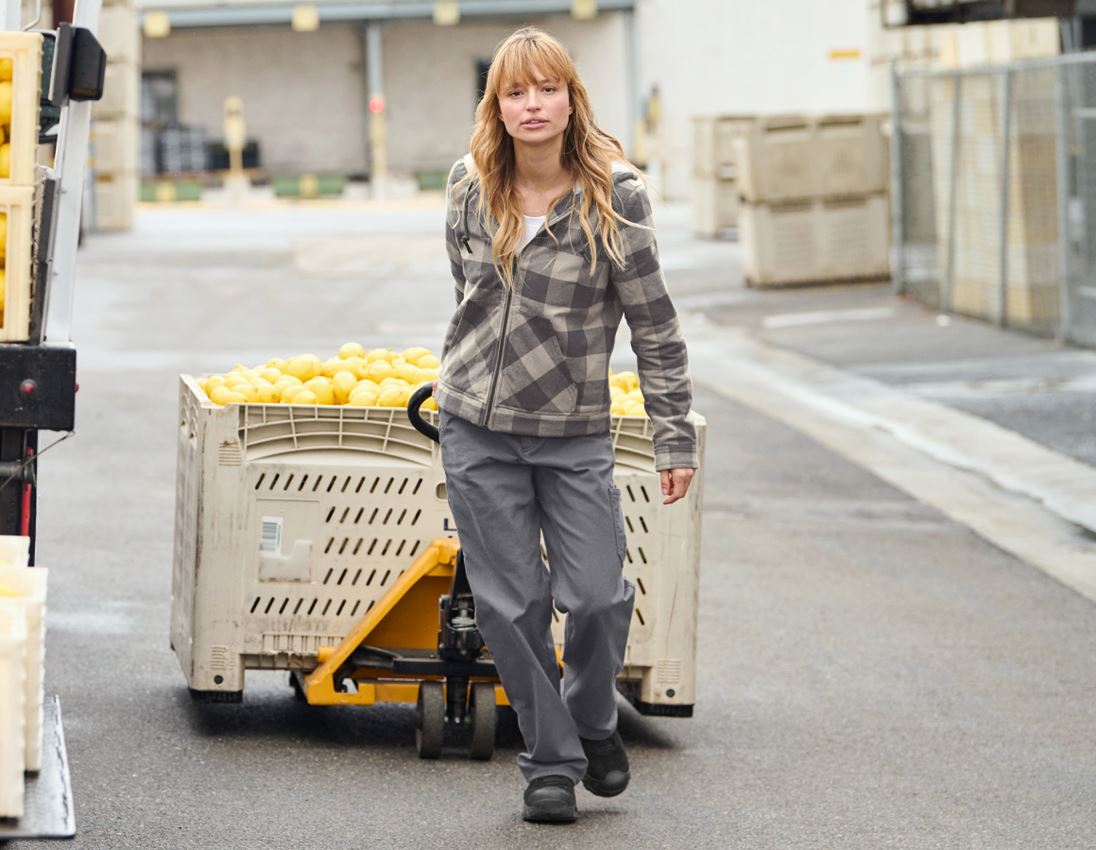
<point>535,114</point>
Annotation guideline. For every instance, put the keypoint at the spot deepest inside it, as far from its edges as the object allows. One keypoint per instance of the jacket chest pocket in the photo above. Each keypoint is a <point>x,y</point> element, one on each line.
<point>535,377</point>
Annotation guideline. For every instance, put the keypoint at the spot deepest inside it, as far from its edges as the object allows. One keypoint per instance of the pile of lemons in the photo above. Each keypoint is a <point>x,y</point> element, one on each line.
<point>5,116</point>
<point>378,377</point>
<point>624,392</point>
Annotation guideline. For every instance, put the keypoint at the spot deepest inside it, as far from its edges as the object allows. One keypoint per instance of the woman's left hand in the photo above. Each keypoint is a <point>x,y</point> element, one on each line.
<point>675,483</point>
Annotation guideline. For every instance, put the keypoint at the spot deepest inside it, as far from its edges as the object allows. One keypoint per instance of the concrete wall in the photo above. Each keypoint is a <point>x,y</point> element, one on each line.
<point>303,93</point>
<point>430,80</point>
<point>745,56</point>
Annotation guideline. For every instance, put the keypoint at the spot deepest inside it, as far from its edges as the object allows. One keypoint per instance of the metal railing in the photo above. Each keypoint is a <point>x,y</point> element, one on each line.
<point>994,193</point>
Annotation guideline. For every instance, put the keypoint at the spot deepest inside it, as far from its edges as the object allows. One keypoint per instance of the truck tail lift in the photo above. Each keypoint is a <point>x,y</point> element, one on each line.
<point>38,376</point>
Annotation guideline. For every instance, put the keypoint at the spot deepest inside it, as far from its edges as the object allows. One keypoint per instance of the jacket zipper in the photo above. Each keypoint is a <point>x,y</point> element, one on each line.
<point>506,320</point>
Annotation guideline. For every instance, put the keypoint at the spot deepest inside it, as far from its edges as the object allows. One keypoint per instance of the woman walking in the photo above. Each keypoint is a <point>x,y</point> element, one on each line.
<point>549,235</point>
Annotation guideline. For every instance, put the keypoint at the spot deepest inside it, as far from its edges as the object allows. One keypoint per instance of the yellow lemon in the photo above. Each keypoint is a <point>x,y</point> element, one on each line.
<point>343,383</point>
<point>428,361</point>
<point>5,69</point>
<point>3,233</point>
<point>305,396</point>
<point>234,379</point>
<point>5,158</point>
<point>214,381</point>
<point>290,392</point>
<point>366,383</point>
<point>248,391</point>
<point>321,386</point>
<point>408,371</point>
<point>390,396</point>
<point>276,363</point>
<point>220,395</point>
<point>351,349</point>
<point>363,398</point>
<point>412,355</point>
<point>616,393</point>
<point>378,354</point>
<point>5,102</point>
<point>628,380</point>
<point>350,366</point>
<point>430,404</point>
<point>304,366</point>
<point>266,392</point>
<point>378,370</point>
<point>270,374</point>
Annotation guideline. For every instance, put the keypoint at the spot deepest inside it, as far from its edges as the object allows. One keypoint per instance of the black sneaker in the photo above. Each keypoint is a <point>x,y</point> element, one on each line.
<point>607,772</point>
<point>550,799</point>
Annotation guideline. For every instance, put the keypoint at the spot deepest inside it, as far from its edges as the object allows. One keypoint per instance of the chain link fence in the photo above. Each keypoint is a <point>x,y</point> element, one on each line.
<point>994,180</point>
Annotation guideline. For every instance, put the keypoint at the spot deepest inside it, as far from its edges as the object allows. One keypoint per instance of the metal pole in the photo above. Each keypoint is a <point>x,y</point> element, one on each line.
<point>634,145</point>
<point>1006,180</point>
<point>953,198</point>
<point>69,166</point>
<point>898,223</point>
<point>375,89</point>
<point>1065,237</point>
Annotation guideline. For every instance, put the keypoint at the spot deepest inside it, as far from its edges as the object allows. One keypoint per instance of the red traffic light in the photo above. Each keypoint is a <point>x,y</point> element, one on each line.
<point>376,104</point>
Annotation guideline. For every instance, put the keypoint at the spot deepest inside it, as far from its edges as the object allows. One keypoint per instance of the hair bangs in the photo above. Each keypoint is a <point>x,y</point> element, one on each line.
<point>521,59</point>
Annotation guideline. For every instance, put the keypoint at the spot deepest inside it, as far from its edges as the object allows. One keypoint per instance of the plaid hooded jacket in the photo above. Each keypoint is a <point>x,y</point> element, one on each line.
<point>534,360</point>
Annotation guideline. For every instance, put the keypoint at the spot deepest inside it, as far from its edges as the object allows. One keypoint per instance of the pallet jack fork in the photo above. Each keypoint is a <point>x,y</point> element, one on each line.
<point>400,652</point>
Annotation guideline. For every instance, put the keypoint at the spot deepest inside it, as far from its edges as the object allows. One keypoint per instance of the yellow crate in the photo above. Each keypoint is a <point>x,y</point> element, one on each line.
<point>16,204</point>
<point>24,50</point>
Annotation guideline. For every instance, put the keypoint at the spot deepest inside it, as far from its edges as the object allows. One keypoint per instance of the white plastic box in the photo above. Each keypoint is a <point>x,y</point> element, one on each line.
<point>815,242</point>
<point>24,49</point>
<point>715,205</point>
<point>114,144</point>
<point>17,207</point>
<point>121,93</point>
<point>120,33</point>
<point>30,582</point>
<point>292,521</point>
<point>787,158</point>
<point>115,201</point>
<point>13,672</point>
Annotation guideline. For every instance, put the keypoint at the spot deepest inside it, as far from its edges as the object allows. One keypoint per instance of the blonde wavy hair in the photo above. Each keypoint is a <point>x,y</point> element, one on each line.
<point>588,151</point>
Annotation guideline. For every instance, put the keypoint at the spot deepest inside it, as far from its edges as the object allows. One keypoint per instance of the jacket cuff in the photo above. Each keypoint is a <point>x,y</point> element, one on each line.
<point>676,457</point>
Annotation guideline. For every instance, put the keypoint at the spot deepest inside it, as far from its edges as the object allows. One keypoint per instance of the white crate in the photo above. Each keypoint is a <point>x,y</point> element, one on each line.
<point>13,673</point>
<point>715,205</point>
<point>115,201</point>
<point>24,49</point>
<point>355,494</point>
<point>120,34</point>
<point>800,157</point>
<point>17,205</point>
<point>114,146</point>
<point>815,242</point>
<point>713,144</point>
<point>31,584</point>
<point>14,550</point>
<point>121,93</point>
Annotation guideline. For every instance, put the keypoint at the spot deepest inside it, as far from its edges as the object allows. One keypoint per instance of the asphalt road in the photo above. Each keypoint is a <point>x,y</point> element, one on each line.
<point>871,674</point>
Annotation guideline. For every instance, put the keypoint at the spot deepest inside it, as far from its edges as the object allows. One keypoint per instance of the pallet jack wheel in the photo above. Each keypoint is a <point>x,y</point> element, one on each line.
<point>430,720</point>
<point>484,718</point>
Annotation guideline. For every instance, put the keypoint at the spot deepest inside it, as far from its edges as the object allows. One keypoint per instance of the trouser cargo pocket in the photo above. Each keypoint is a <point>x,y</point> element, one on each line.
<point>618,521</point>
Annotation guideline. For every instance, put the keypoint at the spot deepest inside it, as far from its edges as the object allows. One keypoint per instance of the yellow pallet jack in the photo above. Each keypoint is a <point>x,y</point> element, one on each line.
<point>419,644</point>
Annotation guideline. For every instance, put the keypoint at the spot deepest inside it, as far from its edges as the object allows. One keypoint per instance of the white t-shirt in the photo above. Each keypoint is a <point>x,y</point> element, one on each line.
<point>532,226</point>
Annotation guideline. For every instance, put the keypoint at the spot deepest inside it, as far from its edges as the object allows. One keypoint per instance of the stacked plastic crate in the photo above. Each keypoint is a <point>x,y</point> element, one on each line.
<point>1031,291</point>
<point>115,130</point>
<point>715,188</point>
<point>22,651</point>
<point>814,199</point>
<point>20,90</point>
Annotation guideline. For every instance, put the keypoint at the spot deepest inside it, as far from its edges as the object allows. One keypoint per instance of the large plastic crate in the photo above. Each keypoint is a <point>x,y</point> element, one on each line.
<point>30,582</point>
<point>292,521</point>
<point>17,209</point>
<point>13,672</point>
<point>24,49</point>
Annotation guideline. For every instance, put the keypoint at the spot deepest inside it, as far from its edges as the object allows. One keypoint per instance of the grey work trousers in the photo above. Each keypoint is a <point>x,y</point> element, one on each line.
<point>503,490</point>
